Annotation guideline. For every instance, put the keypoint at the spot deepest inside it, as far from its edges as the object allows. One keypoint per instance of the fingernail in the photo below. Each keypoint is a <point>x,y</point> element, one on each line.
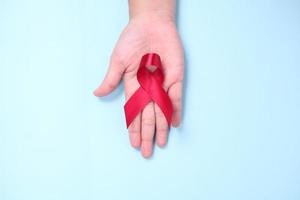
<point>161,141</point>
<point>146,148</point>
<point>135,140</point>
<point>98,92</point>
<point>176,124</point>
<point>95,92</point>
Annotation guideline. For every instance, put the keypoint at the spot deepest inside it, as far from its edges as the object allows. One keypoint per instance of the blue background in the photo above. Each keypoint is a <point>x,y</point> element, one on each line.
<point>240,138</point>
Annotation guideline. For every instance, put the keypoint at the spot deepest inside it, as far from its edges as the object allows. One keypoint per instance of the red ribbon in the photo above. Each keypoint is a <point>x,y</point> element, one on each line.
<point>150,89</point>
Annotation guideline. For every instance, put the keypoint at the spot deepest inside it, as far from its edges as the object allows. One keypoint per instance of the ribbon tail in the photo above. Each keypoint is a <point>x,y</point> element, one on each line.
<point>135,105</point>
<point>161,98</point>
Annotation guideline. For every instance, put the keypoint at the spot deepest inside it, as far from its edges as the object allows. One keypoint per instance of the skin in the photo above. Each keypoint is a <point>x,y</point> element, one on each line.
<point>151,28</point>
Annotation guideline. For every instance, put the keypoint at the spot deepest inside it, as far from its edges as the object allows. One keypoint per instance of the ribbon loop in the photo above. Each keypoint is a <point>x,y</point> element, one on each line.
<point>151,89</point>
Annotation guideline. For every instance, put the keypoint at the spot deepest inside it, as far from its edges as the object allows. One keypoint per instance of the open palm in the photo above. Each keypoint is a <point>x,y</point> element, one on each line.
<point>138,38</point>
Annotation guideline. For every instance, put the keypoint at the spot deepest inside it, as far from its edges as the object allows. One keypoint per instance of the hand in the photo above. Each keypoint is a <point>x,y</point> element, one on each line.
<point>143,36</point>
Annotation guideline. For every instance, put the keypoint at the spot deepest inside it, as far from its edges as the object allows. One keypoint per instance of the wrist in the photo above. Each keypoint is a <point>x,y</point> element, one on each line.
<point>152,10</point>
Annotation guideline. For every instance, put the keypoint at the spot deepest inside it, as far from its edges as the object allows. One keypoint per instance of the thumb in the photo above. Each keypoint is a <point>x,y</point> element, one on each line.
<point>112,78</point>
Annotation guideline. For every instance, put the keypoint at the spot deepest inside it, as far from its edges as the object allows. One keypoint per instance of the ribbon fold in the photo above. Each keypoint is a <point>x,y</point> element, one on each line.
<point>150,89</point>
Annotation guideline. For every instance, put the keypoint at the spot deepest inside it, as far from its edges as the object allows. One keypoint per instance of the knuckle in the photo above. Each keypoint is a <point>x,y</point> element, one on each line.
<point>162,131</point>
<point>177,109</point>
<point>134,128</point>
<point>111,85</point>
<point>176,100</point>
<point>148,121</point>
<point>134,132</point>
<point>147,138</point>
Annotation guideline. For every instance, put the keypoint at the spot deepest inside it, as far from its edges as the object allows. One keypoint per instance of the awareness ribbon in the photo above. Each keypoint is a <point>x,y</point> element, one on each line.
<point>151,89</point>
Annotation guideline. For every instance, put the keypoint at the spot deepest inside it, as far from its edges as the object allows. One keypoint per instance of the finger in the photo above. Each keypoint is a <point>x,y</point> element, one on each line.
<point>161,127</point>
<point>175,94</point>
<point>134,129</point>
<point>148,128</point>
<point>112,78</point>
<point>135,132</point>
